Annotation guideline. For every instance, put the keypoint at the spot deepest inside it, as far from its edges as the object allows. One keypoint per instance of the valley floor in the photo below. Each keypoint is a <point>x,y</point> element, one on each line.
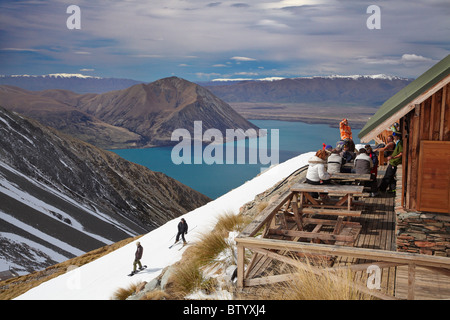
<point>309,113</point>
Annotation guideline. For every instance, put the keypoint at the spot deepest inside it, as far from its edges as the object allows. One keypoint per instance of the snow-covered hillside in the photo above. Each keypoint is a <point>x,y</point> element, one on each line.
<point>99,279</point>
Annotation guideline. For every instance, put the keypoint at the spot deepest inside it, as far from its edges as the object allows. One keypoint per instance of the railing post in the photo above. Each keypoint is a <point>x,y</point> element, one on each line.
<point>411,280</point>
<point>240,265</point>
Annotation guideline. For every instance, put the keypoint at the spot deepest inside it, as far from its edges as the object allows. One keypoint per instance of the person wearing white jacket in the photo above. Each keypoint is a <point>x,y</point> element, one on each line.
<point>317,173</point>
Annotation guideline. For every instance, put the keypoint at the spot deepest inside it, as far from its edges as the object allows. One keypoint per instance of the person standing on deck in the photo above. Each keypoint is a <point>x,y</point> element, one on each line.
<point>346,134</point>
<point>394,160</point>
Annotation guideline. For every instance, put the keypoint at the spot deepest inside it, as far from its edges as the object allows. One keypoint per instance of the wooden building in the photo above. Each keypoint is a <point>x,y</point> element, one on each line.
<point>422,109</point>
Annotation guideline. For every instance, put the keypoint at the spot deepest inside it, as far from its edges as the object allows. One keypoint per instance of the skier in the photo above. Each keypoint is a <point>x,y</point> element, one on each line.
<point>137,257</point>
<point>182,230</point>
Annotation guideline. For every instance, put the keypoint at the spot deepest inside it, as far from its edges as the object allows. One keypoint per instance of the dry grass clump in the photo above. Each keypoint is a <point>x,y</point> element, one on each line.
<point>155,295</point>
<point>311,282</point>
<point>123,293</point>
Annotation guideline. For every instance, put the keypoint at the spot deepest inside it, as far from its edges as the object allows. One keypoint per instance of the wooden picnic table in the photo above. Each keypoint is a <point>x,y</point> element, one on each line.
<point>345,194</point>
<point>350,176</point>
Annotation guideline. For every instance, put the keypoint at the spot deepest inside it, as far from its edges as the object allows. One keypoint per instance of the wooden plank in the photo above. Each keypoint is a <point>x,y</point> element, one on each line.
<point>266,214</point>
<point>326,188</point>
<point>442,119</point>
<point>240,265</point>
<point>297,215</point>
<point>411,280</point>
<point>334,212</point>
<point>350,176</point>
<point>312,235</point>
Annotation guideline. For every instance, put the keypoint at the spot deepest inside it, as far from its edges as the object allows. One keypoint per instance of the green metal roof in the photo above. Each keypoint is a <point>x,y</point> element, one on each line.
<point>423,83</point>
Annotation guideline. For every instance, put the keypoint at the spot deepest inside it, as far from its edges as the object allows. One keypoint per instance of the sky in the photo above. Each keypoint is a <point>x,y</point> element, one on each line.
<point>201,40</point>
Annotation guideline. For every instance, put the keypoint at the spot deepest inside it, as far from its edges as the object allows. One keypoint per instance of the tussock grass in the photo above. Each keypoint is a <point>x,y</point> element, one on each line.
<point>229,221</point>
<point>262,206</point>
<point>155,295</point>
<point>123,293</point>
<point>317,282</point>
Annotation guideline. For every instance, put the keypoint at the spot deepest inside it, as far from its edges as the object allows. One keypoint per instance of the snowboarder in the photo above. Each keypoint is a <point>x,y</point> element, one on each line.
<point>138,257</point>
<point>182,230</point>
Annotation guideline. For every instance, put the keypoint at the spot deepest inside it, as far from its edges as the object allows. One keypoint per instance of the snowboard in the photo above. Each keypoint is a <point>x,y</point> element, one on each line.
<point>137,271</point>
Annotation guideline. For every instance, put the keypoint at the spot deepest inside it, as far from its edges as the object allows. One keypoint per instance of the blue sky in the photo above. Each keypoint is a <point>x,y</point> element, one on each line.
<point>202,40</point>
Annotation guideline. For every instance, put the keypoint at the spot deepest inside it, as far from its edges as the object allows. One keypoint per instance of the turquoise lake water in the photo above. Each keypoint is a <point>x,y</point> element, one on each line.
<point>215,180</point>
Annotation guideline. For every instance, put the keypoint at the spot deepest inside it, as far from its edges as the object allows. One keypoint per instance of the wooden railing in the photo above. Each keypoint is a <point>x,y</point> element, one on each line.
<point>382,259</point>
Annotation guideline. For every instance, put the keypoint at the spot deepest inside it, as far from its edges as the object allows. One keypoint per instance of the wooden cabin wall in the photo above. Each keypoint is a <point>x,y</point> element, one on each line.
<point>428,121</point>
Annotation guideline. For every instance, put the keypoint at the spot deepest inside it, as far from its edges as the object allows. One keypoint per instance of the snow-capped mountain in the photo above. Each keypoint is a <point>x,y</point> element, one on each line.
<point>61,197</point>
<point>79,83</point>
<point>52,75</point>
<point>350,77</point>
<point>365,90</point>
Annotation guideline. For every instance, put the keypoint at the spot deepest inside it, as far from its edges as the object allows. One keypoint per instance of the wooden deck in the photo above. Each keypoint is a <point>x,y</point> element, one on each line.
<point>378,222</point>
<point>378,232</point>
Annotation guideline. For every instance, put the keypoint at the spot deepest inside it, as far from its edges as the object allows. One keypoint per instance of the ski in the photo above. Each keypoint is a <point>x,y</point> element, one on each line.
<point>137,271</point>
<point>170,247</point>
<point>184,244</point>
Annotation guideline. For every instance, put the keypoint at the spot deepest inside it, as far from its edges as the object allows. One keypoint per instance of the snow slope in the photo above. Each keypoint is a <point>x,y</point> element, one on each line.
<point>99,279</point>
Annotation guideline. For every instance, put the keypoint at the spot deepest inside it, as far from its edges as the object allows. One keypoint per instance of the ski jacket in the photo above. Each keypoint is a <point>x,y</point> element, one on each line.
<point>363,163</point>
<point>316,170</point>
<point>182,227</point>
<point>346,131</point>
<point>139,251</point>
<point>334,163</point>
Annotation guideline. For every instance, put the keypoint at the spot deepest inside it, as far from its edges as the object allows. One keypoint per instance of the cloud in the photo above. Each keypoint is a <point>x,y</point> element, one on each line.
<point>20,50</point>
<point>404,59</point>
<point>242,59</point>
<point>290,37</point>
<point>414,58</point>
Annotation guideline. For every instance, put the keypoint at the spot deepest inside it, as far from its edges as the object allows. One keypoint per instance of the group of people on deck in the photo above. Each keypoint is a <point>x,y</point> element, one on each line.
<point>329,161</point>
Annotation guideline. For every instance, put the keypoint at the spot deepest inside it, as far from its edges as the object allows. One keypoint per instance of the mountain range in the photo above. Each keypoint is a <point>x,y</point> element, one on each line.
<point>61,197</point>
<point>354,90</point>
<point>143,115</point>
<point>74,82</point>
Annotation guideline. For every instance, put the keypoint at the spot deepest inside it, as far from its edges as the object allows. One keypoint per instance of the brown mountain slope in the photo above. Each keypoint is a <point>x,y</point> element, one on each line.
<point>56,108</point>
<point>156,109</point>
<point>140,116</point>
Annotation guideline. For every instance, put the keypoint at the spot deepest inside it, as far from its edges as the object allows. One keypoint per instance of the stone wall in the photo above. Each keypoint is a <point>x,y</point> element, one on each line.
<point>421,232</point>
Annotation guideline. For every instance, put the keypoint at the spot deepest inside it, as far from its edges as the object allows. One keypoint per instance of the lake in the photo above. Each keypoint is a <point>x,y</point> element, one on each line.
<point>215,179</point>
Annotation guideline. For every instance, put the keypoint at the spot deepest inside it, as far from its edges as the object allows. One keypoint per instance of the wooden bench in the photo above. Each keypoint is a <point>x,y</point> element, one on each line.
<point>344,192</point>
<point>350,176</point>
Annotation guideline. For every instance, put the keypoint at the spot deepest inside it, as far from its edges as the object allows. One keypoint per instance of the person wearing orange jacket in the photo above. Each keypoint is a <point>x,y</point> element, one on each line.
<point>346,131</point>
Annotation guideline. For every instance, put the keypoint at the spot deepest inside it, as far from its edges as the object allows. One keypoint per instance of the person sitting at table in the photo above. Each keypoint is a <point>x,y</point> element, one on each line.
<point>388,148</point>
<point>374,171</point>
<point>334,162</point>
<point>347,157</point>
<point>364,164</point>
<point>317,173</point>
